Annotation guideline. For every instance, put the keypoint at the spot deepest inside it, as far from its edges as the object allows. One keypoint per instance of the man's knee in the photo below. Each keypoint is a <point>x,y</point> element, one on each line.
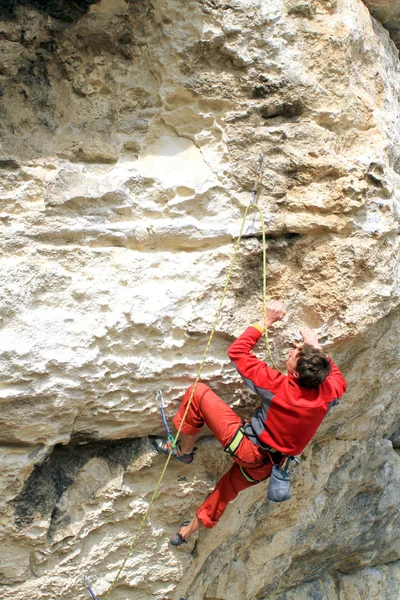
<point>201,389</point>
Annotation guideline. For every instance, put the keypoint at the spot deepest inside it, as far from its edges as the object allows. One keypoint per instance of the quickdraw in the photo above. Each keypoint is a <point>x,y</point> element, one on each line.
<point>161,404</point>
<point>86,583</point>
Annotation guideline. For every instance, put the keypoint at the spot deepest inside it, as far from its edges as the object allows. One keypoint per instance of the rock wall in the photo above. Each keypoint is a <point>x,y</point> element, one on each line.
<point>128,134</point>
<point>388,13</point>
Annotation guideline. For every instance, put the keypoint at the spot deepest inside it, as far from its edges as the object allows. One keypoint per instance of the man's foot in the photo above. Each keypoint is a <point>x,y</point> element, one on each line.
<point>178,539</point>
<point>164,447</point>
<point>185,531</point>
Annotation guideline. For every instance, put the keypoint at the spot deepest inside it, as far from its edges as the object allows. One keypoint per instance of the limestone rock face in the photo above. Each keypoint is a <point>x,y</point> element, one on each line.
<point>388,13</point>
<point>128,135</point>
<point>382,583</point>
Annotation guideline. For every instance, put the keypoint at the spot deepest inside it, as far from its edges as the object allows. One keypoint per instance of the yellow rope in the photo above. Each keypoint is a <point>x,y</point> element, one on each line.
<point>201,368</point>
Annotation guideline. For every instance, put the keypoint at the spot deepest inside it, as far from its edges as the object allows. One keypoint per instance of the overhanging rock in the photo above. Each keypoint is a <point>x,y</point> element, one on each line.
<point>388,13</point>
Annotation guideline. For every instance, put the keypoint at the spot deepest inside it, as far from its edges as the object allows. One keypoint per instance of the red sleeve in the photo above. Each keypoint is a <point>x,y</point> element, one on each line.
<point>337,380</point>
<point>256,373</point>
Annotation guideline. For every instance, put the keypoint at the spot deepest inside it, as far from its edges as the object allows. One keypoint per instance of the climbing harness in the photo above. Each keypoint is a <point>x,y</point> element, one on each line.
<point>235,442</point>
<point>249,432</point>
<point>248,477</point>
<point>238,438</point>
<point>259,166</point>
<point>279,483</point>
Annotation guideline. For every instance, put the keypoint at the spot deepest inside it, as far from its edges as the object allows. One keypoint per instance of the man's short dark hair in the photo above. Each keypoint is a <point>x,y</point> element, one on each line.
<point>313,366</point>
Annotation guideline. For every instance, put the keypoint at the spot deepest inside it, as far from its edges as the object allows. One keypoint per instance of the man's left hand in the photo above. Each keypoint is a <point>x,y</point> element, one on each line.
<point>310,337</point>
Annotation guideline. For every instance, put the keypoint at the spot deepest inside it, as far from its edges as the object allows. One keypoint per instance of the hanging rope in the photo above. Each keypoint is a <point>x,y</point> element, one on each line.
<point>259,171</point>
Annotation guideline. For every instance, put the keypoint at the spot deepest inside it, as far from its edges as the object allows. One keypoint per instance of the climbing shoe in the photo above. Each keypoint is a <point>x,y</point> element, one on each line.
<point>177,539</point>
<point>164,447</point>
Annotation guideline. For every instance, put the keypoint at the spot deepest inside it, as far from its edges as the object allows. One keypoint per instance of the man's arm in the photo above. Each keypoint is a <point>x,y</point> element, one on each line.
<point>256,373</point>
<point>337,380</point>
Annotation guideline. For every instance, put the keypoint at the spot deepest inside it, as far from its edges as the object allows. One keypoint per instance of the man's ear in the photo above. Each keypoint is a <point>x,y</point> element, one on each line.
<point>296,375</point>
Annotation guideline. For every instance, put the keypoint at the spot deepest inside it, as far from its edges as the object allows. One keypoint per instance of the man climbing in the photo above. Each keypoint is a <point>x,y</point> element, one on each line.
<point>292,408</point>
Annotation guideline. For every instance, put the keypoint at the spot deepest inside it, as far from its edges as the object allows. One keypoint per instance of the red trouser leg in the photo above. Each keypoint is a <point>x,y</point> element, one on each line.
<point>226,490</point>
<point>207,407</point>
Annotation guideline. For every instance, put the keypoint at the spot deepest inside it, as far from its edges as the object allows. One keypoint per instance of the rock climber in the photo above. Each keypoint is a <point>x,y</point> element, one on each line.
<point>292,408</point>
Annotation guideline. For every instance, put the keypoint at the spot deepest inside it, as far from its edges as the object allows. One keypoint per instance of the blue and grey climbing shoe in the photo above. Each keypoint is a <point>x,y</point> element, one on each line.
<point>177,539</point>
<point>164,447</point>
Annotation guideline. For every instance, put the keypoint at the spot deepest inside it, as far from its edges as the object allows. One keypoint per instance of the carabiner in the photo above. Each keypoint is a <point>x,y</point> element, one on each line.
<point>159,398</point>
<point>288,461</point>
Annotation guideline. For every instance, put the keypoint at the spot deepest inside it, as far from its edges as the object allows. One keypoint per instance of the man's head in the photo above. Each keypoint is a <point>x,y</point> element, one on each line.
<point>309,365</point>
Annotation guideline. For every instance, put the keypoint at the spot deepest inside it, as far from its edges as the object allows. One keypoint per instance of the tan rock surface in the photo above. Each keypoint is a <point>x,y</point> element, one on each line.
<point>128,135</point>
<point>381,582</point>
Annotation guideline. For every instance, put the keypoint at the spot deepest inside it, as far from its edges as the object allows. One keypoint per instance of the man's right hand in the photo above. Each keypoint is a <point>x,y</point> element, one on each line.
<point>276,310</point>
<point>310,337</point>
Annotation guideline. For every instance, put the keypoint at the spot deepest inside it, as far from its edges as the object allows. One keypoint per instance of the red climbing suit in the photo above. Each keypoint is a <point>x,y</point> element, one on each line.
<point>286,421</point>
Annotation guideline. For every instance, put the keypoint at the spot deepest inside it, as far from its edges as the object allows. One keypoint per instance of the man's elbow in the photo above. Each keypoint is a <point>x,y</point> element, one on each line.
<point>231,351</point>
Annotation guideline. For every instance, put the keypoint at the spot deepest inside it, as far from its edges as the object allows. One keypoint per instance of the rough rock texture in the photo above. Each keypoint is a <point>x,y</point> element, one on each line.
<point>388,13</point>
<point>382,583</point>
<point>128,131</point>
